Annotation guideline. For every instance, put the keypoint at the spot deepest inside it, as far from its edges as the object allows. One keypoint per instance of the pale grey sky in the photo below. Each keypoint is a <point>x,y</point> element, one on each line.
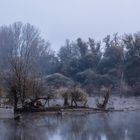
<point>61,19</point>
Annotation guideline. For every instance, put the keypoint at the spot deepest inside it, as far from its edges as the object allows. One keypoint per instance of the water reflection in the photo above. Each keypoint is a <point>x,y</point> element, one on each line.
<point>111,126</point>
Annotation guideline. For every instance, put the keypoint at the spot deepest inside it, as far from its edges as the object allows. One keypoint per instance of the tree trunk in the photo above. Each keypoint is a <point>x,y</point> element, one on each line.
<point>106,99</point>
<point>48,102</point>
<point>74,102</point>
<point>15,102</point>
<point>121,82</point>
<point>66,103</point>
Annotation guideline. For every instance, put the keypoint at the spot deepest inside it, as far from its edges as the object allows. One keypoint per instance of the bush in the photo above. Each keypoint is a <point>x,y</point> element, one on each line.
<point>58,80</point>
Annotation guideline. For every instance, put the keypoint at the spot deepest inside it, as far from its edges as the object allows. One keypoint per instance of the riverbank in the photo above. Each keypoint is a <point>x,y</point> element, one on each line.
<point>115,104</point>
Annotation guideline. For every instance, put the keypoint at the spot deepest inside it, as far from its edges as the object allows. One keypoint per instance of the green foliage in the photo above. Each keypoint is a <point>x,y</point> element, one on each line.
<point>82,46</point>
<point>69,55</point>
<point>113,56</point>
<point>114,60</point>
<point>132,61</point>
<point>132,71</point>
<point>89,61</point>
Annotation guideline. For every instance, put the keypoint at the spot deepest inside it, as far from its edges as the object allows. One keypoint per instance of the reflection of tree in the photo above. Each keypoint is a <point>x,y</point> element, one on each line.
<point>42,127</point>
<point>30,128</point>
<point>111,126</point>
<point>96,127</point>
<point>74,128</point>
<point>103,127</point>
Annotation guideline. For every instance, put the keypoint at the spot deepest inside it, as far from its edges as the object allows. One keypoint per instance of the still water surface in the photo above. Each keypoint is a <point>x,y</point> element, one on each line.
<point>110,126</point>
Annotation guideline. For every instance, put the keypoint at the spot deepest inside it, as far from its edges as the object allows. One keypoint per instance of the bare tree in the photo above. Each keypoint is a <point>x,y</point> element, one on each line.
<point>23,73</point>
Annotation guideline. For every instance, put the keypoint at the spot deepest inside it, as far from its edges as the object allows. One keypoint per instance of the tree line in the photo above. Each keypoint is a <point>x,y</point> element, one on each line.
<point>26,58</point>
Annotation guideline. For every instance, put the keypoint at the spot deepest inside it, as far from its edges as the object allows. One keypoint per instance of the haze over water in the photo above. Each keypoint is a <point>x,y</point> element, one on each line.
<point>102,126</point>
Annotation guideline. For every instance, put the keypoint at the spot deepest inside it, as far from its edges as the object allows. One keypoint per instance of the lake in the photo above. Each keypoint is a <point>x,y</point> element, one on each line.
<point>101,126</point>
